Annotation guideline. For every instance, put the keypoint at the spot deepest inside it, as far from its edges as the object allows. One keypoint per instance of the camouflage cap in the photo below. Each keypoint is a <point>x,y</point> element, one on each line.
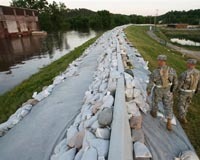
<point>192,61</point>
<point>162,57</point>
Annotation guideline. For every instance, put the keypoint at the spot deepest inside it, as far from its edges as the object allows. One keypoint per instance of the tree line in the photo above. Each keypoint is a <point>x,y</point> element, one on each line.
<point>56,16</point>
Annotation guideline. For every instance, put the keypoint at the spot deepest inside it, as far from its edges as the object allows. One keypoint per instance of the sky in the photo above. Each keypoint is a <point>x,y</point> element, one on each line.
<point>140,7</point>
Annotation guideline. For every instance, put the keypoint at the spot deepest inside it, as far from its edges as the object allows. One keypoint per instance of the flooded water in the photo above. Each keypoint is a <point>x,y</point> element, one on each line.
<point>185,42</point>
<point>22,57</point>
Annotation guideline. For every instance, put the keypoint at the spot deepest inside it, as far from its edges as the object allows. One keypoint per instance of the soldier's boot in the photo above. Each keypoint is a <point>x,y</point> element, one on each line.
<point>169,125</point>
<point>153,113</point>
<point>184,120</point>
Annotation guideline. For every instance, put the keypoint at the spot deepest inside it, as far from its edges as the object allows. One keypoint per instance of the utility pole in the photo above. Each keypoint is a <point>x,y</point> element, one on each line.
<point>155,19</point>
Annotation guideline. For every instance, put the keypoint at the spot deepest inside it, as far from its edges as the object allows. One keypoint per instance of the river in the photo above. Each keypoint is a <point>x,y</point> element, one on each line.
<point>22,57</point>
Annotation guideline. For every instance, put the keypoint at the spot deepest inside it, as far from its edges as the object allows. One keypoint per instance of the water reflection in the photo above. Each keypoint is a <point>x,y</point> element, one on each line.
<point>185,42</point>
<point>22,57</point>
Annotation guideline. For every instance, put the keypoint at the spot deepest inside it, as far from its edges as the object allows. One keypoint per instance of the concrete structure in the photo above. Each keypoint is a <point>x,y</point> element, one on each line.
<point>17,21</point>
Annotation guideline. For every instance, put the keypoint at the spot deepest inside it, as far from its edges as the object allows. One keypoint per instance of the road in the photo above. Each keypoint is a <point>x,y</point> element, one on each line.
<point>189,53</point>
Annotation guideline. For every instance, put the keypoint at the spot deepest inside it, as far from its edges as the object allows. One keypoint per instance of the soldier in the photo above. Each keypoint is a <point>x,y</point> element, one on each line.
<point>164,78</point>
<point>189,83</point>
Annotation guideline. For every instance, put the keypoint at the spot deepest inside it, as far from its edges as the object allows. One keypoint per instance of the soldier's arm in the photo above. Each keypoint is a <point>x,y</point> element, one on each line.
<point>198,87</point>
<point>175,81</point>
<point>151,83</point>
<point>181,80</point>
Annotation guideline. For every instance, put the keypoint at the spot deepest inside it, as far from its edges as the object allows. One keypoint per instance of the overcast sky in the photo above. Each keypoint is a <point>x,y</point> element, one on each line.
<point>143,7</point>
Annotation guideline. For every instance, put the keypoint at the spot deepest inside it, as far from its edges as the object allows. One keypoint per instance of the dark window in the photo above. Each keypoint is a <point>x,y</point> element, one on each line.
<point>19,11</point>
<point>29,13</point>
<point>7,11</point>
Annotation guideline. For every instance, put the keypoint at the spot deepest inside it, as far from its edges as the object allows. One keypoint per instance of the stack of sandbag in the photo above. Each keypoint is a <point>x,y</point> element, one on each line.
<point>90,133</point>
<point>135,102</point>
<point>26,107</point>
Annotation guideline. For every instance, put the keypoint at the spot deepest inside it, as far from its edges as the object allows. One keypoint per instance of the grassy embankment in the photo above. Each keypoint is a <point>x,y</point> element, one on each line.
<point>167,34</point>
<point>150,49</point>
<point>12,100</point>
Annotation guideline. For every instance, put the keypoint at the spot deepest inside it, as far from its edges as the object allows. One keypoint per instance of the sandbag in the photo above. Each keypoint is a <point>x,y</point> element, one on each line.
<point>101,145</point>
<point>141,151</point>
<point>130,72</point>
<point>96,107</point>
<point>31,102</point>
<point>71,131</point>
<point>136,122</point>
<point>103,133</point>
<point>88,137</point>
<point>105,117</point>
<point>90,121</point>
<point>112,85</point>
<point>133,108</point>
<point>79,155</point>
<point>187,155</point>
<point>107,101</point>
<point>77,140</point>
<point>90,154</point>
<point>129,94</point>
<point>61,146</point>
<point>137,135</point>
<point>95,125</point>
<point>69,155</point>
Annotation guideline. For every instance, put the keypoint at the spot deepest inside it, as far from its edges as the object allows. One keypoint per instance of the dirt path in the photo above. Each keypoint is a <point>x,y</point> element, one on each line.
<point>189,53</point>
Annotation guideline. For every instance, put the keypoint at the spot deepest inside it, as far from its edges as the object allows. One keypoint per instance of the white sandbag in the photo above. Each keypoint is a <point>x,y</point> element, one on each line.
<point>79,155</point>
<point>69,155</point>
<point>108,101</point>
<point>112,85</point>
<point>136,93</point>
<point>187,155</point>
<point>77,120</point>
<point>101,145</point>
<point>137,135</point>
<point>87,114</point>
<point>71,131</point>
<point>141,151</point>
<point>103,86</point>
<point>105,117</point>
<point>77,140</point>
<point>81,126</point>
<point>90,154</point>
<point>31,102</point>
<point>50,88</point>
<point>95,125</point>
<point>96,107</point>
<point>103,133</point>
<point>129,94</point>
<point>58,80</point>
<point>40,96</point>
<point>23,113</point>
<point>27,107</point>
<point>90,121</point>
<point>88,137</point>
<point>133,108</point>
<point>61,146</point>
<point>136,122</point>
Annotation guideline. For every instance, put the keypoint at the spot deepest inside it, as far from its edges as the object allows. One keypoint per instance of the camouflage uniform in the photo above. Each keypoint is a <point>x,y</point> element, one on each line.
<point>165,81</point>
<point>189,83</point>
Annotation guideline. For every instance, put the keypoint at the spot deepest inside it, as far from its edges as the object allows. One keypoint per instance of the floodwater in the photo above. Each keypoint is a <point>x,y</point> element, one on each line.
<point>22,57</point>
<point>185,42</point>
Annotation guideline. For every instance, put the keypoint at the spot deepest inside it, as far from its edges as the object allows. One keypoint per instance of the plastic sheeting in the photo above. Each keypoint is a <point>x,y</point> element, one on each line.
<point>163,145</point>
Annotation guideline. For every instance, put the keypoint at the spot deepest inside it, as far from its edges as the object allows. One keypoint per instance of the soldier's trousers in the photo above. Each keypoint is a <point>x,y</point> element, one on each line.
<point>184,101</point>
<point>166,97</point>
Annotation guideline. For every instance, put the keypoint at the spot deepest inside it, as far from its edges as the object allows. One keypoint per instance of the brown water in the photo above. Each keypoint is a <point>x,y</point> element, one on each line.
<point>22,57</point>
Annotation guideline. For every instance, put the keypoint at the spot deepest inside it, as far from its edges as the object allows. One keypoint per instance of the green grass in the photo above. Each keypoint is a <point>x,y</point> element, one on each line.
<point>12,100</point>
<point>150,49</point>
<point>167,34</point>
